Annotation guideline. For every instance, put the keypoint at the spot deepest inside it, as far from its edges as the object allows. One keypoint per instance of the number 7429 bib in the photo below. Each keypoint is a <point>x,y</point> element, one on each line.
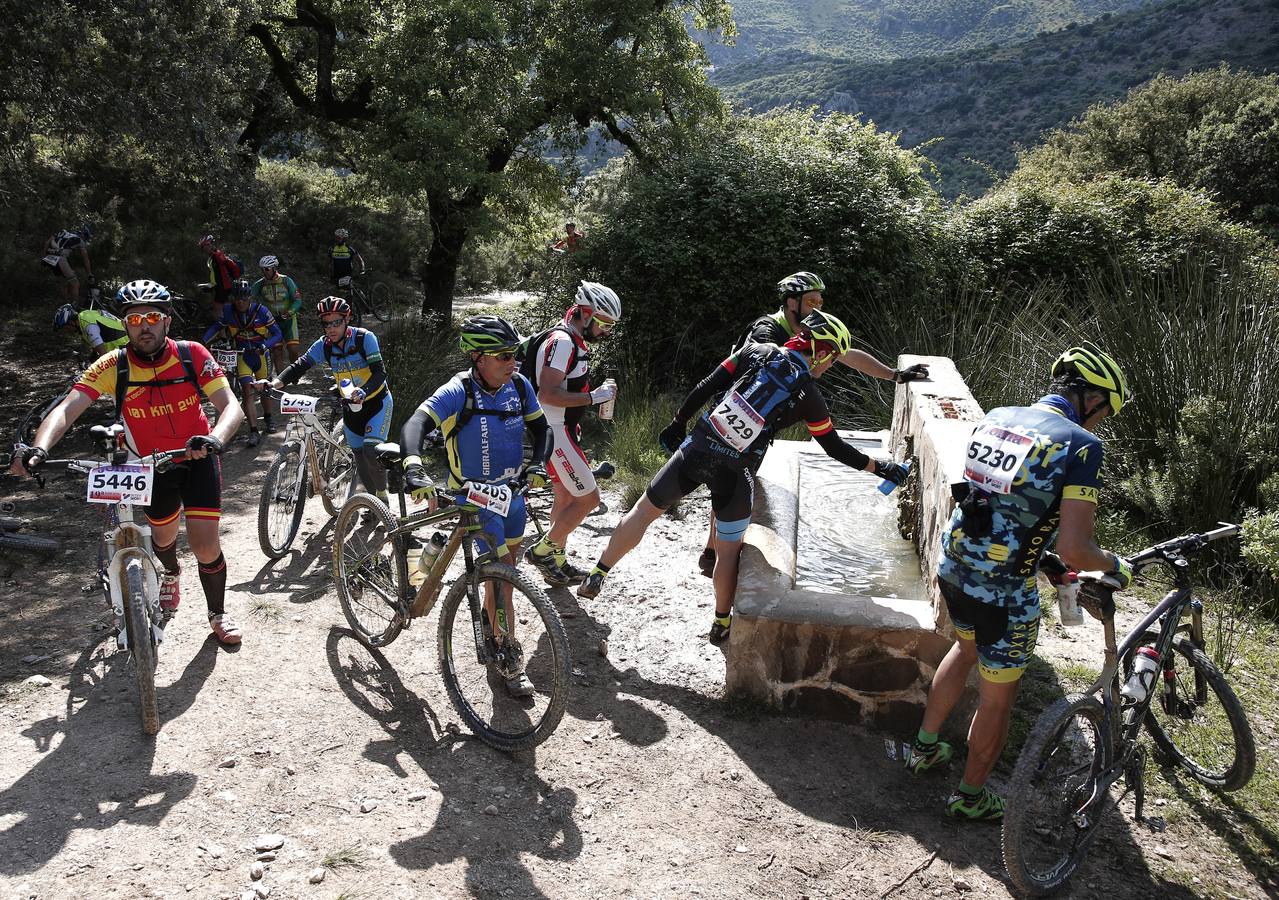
<point>995,455</point>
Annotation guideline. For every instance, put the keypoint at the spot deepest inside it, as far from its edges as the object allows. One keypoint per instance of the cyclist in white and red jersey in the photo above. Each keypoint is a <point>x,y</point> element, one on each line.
<point>159,383</point>
<point>563,381</point>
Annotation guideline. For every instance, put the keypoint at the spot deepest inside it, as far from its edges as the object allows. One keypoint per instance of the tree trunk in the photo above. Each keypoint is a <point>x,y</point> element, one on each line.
<point>450,228</point>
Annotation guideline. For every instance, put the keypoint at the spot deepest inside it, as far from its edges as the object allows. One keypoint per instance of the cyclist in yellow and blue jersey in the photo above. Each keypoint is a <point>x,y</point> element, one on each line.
<point>281,295</point>
<point>342,256</point>
<point>100,331</point>
<point>1032,477</point>
<point>253,331</point>
<point>354,354</point>
<point>483,413</point>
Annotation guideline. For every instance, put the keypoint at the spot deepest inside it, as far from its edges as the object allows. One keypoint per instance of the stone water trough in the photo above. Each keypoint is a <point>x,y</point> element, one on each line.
<point>834,615</point>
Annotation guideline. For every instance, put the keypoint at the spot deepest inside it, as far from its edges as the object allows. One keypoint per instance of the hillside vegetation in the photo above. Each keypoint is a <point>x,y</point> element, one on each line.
<point>863,30</point>
<point>984,103</point>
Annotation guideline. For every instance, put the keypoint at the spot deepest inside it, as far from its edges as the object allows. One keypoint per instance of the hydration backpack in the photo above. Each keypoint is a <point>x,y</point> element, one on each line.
<point>530,347</point>
<point>470,409</point>
<point>768,387</point>
<point>123,382</point>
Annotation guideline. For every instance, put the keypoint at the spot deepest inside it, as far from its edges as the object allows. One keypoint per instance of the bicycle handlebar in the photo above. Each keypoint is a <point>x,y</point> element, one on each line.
<point>1185,545</point>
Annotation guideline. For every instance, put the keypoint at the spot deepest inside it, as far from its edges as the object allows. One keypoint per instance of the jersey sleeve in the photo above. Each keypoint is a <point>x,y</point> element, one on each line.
<point>558,352</point>
<point>210,375</point>
<point>372,350</point>
<point>532,409</point>
<point>812,406</point>
<point>295,295</point>
<point>1083,470</point>
<point>315,352</point>
<point>256,290</point>
<point>99,378</point>
<point>444,405</point>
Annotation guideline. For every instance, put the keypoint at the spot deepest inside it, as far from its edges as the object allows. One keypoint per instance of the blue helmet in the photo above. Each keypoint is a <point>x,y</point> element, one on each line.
<point>65,315</point>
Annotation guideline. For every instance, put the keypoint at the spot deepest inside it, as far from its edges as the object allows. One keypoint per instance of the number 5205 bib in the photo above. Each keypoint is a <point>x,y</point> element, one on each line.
<point>995,455</point>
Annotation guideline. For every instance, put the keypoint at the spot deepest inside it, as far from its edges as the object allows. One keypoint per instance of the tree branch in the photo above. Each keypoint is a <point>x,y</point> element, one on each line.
<point>623,137</point>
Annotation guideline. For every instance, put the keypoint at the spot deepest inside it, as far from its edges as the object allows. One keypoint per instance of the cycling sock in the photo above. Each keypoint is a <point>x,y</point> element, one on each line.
<point>546,546</point>
<point>600,568</point>
<point>213,580</point>
<point>168,556</point>
<point>969,791</point>
<point>925,741</point>
<point>725,620</point>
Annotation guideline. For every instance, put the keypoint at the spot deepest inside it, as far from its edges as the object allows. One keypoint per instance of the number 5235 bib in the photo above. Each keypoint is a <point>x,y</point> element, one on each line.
<point>995,455</point>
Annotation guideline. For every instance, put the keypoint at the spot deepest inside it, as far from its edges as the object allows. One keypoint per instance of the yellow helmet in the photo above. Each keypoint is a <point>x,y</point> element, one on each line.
<point>1097,370</point>
<point>822,326</point>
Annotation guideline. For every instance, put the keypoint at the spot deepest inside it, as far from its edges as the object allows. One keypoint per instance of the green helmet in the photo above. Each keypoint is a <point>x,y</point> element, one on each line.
<point>822,326</point>
<point>1095,370</point>
<point>800,283</point>
<point>487,334</point>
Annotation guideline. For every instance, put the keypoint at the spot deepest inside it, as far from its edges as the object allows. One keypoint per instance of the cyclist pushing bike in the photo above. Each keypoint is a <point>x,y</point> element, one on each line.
<point>254,332</point>
<point>281,295</point>
<point>1032,476</point>
<point>353,356</point>
<point>157,384</point>
<point>483,413</point>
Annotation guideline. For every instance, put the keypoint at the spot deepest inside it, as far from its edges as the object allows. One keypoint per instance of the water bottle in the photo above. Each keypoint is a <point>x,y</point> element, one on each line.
<point>1144,665</point>
<point>346,387</point>
<point>1068,609</point>
<point>606,408</point>
<point>886,486</point>
<point>431,552</point>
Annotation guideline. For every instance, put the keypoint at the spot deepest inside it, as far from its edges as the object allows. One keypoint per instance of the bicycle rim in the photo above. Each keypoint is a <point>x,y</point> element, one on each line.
<point>479,691</point>
<point>381,303</point>
<point>282,501</point>
<point>141,643</point>
<point>371,575</point>
<point>339,473</point>
<point>1196,720</point>
<point>1053,809</point>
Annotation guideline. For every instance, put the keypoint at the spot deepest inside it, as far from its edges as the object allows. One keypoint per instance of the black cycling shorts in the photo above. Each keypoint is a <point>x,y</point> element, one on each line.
<point>732,489</point>
<point>193,487</point>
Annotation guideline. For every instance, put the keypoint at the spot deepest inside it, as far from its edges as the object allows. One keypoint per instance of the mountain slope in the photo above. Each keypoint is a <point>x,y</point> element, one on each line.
<point>984,103</point>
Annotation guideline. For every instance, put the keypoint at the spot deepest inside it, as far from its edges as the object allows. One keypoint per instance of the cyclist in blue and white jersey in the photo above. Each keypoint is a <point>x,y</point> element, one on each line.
<point>57,251</point>
<point>1032,477</point>
<point>352,353</point>
<point>483,413</point>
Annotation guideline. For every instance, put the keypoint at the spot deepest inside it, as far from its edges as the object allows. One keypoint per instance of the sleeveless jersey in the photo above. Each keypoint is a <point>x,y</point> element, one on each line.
<point>567,352</point>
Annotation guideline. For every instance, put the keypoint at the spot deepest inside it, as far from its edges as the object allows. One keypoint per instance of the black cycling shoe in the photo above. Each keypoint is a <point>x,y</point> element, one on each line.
<point>552,573</point>
<point>706,562</point>
<point>575,575</point>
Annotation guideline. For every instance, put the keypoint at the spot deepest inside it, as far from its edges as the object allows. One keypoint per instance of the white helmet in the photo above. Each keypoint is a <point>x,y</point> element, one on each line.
<point>268,262</point>
<point>600,299</point>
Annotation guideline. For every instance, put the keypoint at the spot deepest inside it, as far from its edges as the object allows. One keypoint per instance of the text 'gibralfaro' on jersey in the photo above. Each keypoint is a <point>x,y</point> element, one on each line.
<point>1026,459</point>
<point>157,416</point>
<point>489,445</point>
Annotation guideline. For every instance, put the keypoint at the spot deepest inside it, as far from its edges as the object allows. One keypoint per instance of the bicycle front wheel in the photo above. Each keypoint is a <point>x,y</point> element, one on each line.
<point>36,543</point>
<point>339,472</point>
<point>371,574</point>
<point>381,302</point>
<point>282,501</point>
<point>503,710</point>
<point>1196,720</point>
<point>1055,801</point>
<point>141,642</point>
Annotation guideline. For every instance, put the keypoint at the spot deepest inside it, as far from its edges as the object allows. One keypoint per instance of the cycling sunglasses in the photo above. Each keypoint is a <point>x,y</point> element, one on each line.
<point>604,323</point>
<point>333,323</point>
<point>501,355</point>
<point>136,319</point>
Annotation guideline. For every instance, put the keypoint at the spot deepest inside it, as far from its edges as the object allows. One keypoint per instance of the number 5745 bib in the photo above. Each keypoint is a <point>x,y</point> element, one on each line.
<point>995,455</point>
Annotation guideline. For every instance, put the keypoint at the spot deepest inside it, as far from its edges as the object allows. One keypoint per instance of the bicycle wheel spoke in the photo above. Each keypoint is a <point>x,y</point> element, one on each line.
<point>371,575</point>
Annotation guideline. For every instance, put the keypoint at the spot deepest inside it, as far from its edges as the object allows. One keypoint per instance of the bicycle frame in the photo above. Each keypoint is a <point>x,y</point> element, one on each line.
<point>313,434</point>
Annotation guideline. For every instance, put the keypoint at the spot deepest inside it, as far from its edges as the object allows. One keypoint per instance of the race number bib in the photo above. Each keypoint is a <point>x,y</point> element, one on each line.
<point>226,359</point>
<point>496,498</point>
<point>995,455</point>
<point>52,260</point>
<point>297,405</point>
<point>344,281</point>
<point>121,484</point>
<point>736,422</point>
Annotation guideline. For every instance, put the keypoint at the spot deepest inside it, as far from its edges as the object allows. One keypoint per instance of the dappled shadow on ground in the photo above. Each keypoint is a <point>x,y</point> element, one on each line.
<point>1234,825</point>
<point>524,813</point>
<point>99,774</point>
<point>302,574</point>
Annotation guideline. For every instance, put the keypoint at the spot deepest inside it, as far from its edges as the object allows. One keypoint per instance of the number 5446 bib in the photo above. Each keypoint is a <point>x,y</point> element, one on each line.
<point>995,455</point>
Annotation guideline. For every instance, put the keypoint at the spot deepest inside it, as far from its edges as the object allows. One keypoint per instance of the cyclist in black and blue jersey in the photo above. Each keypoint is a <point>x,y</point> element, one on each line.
<point>483,413</point>
<point>1032,477</point>
<point>253,331</point>
<point>354,354</point>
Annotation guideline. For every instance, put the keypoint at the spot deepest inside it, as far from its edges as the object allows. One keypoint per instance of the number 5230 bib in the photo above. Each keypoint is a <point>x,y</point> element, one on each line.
<point>995,455</point>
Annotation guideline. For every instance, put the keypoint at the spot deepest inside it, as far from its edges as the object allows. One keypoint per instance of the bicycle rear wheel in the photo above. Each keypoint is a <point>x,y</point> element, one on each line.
<point>1196,720</point>
<point>339,473</point>
<point>1053,807</point>
<point>36,543</point>
<point>282,501</point>
<point>141,642</point>
<point>478,691</point>
<point>381,302</point>
<point>371,574</point>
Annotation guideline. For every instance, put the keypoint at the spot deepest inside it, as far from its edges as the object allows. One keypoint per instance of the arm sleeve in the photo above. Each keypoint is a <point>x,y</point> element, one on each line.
<point>295,296</point>
<point>837,450</point>
<point>273,335</point>
<point>377,376</point>
<point>716,382</point>
<point>211,331</point>
<point>414,429</point>
<point>296,369</point>
<point>541,433</point>
<point>813,408</point>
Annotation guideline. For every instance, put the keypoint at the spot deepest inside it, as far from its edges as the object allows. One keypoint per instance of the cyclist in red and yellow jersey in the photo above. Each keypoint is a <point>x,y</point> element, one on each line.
<point>158,385</point>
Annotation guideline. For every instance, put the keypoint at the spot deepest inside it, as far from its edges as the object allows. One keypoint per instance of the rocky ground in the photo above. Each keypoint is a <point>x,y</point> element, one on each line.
<point>303,765</point>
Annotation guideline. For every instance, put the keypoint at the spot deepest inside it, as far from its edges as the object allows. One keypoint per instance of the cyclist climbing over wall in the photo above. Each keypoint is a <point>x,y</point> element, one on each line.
<point>764,389</point>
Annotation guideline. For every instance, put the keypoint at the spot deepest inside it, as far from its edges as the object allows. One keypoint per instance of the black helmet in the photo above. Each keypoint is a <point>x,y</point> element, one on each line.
<point>487,333</point>
<point>800,283</point>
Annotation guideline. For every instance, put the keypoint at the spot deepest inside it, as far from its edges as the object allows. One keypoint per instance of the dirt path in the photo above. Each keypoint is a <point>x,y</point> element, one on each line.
<point>651,787</point>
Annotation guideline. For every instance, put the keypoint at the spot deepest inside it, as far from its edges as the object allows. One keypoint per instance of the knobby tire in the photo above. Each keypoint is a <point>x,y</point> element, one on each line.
<point>339,484</point>
<point>370,573</point>
<point>381,301</point>
<point>282,501</point>
<point>141,642</point>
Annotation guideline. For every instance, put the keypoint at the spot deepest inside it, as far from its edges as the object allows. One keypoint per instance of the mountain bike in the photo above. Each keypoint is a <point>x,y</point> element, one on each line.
<point>375,299</point>
<point>128,570</point>
<point>1086,743</point>
<point>309,447</point>
<point>478,652</point>
<point>227,357</point>
<point>30,420</point>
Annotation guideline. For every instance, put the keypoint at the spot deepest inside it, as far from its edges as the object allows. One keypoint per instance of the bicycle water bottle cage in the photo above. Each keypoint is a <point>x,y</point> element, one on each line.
<point>975,505</point>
